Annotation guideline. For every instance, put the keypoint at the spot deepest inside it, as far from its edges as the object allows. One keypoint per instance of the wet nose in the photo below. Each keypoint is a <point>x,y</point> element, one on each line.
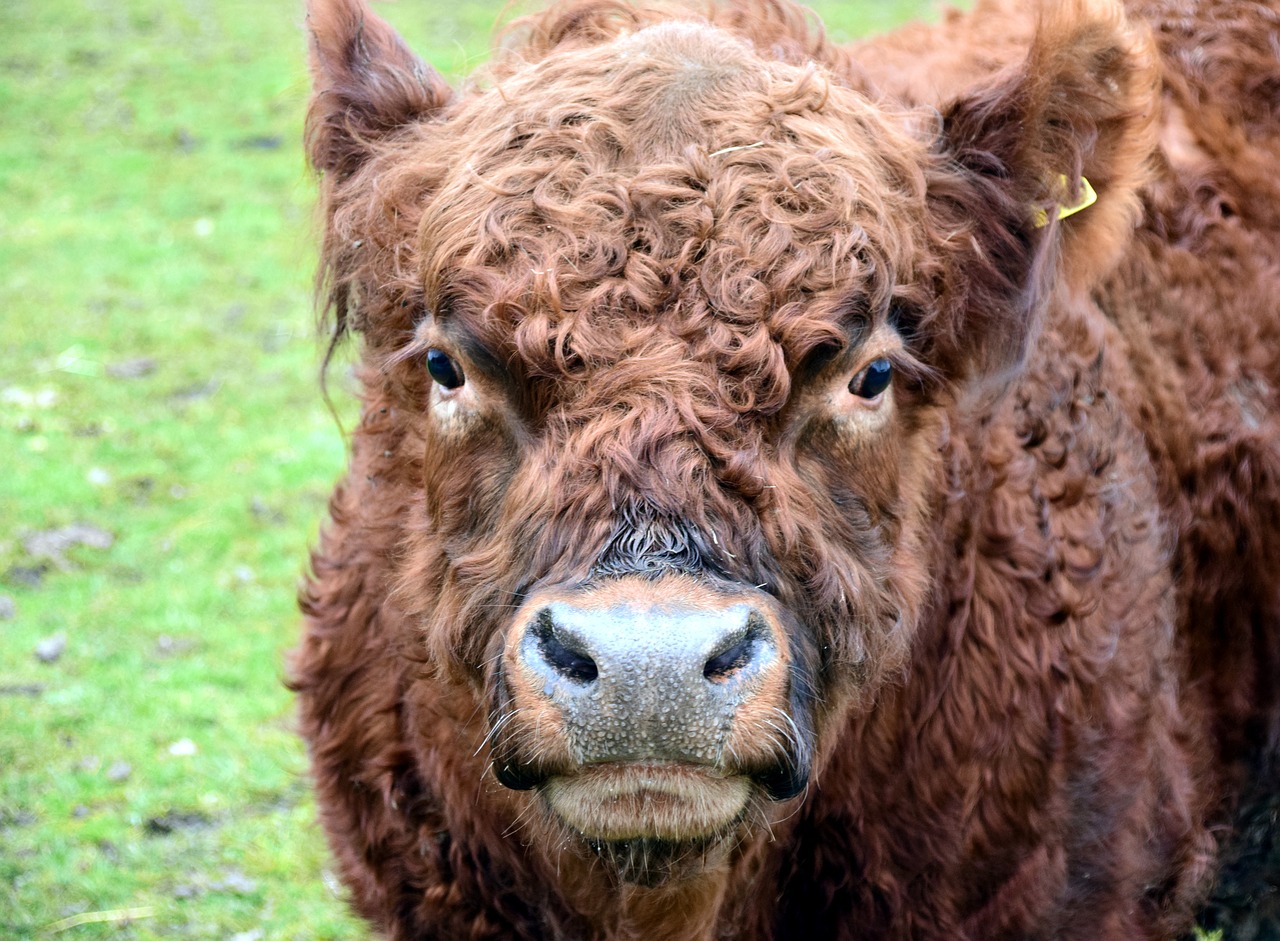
<point>636,681</point>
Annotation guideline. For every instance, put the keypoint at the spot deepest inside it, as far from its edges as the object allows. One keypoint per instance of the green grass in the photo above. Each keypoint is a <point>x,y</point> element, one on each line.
<point>154,205</point>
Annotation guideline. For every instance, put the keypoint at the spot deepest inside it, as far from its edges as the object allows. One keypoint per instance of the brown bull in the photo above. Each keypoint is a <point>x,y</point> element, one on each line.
<point>781,506</point>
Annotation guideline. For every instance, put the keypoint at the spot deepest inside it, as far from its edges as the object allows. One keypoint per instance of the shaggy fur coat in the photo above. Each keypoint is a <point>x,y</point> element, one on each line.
<point>1046,603</point>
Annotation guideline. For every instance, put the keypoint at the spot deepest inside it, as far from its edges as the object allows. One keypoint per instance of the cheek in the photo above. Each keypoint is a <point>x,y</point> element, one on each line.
<point>859,422</point>
<point>468,462</point>
<point>856,455</point>
<point>453,410</point>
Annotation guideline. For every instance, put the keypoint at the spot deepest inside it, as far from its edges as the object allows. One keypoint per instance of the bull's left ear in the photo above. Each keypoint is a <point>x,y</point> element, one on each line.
<point>366,84</point>
<point>1016,151</point>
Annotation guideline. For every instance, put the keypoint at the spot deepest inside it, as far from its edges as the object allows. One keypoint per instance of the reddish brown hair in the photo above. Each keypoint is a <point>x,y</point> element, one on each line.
<point>1033,612</point>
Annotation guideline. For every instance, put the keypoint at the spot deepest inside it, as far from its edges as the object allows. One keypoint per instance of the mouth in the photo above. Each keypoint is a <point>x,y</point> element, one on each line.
<point>648,800</point>
<point>651,821</point>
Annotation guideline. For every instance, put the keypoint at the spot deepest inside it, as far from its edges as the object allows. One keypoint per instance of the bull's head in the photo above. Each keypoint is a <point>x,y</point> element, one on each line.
<point>671,334</point>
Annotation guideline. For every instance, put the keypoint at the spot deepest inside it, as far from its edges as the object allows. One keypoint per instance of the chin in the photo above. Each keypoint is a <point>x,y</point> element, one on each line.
<point>652,823</point>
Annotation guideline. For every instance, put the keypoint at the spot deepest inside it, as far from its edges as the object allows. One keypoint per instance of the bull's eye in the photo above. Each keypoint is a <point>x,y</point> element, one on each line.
<point>873,380</point>
<point>444,370</point>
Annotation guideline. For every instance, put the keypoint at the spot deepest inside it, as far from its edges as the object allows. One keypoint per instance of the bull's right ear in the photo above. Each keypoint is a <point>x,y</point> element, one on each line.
<point>366,83</point>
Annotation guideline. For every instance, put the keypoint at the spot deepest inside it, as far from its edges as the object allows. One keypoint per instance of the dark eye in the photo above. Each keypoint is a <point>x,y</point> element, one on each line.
<point>873,380</point>
<point>444,370</point>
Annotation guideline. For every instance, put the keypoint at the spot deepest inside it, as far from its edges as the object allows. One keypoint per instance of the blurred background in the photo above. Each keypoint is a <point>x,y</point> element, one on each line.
<point>165,459</point>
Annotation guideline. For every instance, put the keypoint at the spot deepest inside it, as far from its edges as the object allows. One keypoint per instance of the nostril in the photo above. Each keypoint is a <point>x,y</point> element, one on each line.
<point>563,653</point>
<point>737,651</point>
<point>728,662</point>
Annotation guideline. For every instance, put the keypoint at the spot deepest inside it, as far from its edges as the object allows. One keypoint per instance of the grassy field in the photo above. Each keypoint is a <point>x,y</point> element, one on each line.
<point>164,461</point>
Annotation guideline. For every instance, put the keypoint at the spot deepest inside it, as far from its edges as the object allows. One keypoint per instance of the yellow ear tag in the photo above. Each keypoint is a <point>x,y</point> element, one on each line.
<point>1088,196</point>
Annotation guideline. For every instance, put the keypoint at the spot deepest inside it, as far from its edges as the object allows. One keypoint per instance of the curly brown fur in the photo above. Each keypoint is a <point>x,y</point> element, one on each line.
<point>1034,605</point>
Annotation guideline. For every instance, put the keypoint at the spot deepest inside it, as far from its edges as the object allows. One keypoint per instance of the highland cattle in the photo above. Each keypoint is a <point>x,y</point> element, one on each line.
<point>804,491</point>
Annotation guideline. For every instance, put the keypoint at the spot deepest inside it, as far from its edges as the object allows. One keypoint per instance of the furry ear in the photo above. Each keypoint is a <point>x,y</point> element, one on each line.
<point>1082,105</point>
<point>366,83</point>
